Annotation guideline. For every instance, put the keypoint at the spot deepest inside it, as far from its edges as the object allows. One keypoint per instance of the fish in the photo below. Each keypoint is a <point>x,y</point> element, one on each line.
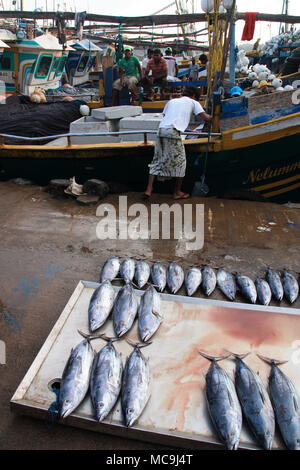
<point>209,280</point>
<point>223,403</point>
<point>100,305</point>
<point>247,287</point>
<point>75,378</point>
<point>275,284</point>
<point>136,385</point>
<point>290,286</point>
<point>142,273</point>
<point>192,280</point>
<point>110,269</point>
<point>127,269</point>
<point>149,314</point>
<point>159,276</point>
<point>255,402</point>
<point>106,379</point>
<point>286,404</point>
<point>226,283</point>
<point>124,310</point>
<point>263,290</point>
<point>175,277</point>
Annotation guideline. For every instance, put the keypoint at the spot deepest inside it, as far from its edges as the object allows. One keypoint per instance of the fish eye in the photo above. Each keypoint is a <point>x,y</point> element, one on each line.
<point>101,405</point>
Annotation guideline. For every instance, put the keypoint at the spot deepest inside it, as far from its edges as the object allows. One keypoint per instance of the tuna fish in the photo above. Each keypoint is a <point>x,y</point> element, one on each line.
<point>275,284</point>
<point>149,315</point>
<point>226,283</point>
<point>106,379</point>
<point>193,280</point>
<point>159,276</point>
<point>290,286</point>
<point>255,402</point>
<point>142,273</point>
<point>135,385</point>
<point>75,378</point>
<point>263,290</point>
<point>124,310</point>
<point>247,287</point>
<point>127,270</point>
<point>100,305</point>
<point>286,404</point>
<point>175,277</point>
<point>223,403</point>
<point>110,269</point>
<point>209,280</point>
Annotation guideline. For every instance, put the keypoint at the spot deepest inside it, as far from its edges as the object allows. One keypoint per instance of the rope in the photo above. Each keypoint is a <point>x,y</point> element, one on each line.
<point>52,413</point>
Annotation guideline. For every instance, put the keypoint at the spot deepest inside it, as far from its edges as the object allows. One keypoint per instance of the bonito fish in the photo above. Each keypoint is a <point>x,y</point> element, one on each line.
<point>142,273</point>
<point>209,280</point>
<point>159,276</point>
<point>135,385</point>
<point>255,402</point>
<point>226,283</point>
<point>286,404</point>
<point>247,287</point>
<point>100,305</point>
<point>75,378</point>
<point>110,269</point>
<point>192,280</point>
<point>263,290</point>
<point>175,277</point>
<point>275,284</point>
<point>106,379</point>
<point>127,270</point>
<point>290,286</point>
<point>124,310</point>
<point>149,314</point>
<point>223,403</point>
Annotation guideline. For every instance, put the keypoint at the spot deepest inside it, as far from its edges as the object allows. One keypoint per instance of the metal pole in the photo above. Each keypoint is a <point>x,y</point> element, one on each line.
<point>232,55</point>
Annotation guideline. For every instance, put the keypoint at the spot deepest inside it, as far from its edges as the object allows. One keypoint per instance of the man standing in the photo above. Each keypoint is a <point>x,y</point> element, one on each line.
<point>146,60</point>
<point>158,67</point>
<point>172,64</point>
<point>169,159</point>
<point>193,70</point>
<point>130,68</point>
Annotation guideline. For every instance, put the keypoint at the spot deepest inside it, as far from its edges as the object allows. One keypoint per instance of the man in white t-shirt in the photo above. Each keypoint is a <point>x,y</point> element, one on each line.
<point>169,159</point>
<point>172,64</point>
<point>146,59</point>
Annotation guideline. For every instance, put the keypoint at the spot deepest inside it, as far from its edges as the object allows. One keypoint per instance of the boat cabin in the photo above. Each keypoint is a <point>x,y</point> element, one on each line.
<point>83,58</point>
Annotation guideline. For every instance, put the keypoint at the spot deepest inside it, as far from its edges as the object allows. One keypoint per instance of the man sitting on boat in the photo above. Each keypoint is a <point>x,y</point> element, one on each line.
<point>130,69</point>
<point>158,68</point>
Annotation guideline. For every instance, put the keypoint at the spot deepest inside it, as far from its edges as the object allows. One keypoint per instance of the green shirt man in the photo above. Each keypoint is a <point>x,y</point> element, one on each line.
<point>130,68</point>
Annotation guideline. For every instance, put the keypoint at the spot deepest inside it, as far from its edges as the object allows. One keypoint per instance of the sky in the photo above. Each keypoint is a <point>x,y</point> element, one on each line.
<point>263,30</point>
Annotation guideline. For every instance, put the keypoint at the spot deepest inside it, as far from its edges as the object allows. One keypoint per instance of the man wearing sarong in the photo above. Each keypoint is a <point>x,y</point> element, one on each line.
<point>169,159</point>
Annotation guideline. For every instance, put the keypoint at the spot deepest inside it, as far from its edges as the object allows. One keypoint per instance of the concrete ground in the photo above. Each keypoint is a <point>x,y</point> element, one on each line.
<point>48,245</point>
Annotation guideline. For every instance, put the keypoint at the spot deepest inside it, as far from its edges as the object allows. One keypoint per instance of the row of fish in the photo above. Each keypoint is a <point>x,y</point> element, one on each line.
<point>125,308</point>
<point>173,276</point>
<point>228,402</point>
<point>104,375</point>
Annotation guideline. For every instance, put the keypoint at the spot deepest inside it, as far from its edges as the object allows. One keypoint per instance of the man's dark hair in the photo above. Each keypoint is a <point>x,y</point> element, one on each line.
<point>150,51</point>
<point>191,91</point>
<point>203,58</point>
<point>157,51</point>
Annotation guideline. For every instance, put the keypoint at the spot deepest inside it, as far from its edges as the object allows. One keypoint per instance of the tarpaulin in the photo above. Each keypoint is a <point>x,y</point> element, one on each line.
<point>249,27</point>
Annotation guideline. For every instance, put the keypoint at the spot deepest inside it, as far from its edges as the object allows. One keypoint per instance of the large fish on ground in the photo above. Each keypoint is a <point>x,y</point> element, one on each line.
<point>159,276</point>
<point>209,280</point>
<point>75,378</point>
<point>223,403</point>
<point>142,273</point>
<point>106,379</point>
<point>275,284</point>
<point>100,305</point>
<point>135,385</point>
<point>290,286</point>
<point>175,277</point>
<point>226,283</point>
<point>263,290</point>
<point>124,310</point>
<point>192,280</point>
<point>286,404</point>
<point>247,287</point>
<point>110,269</point>
<point>149,314</point>
<point>127,269</point>
<point>255,402</point>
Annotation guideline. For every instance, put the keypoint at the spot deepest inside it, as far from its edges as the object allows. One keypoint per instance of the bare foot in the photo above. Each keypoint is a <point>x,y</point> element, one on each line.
<point>181,195</point>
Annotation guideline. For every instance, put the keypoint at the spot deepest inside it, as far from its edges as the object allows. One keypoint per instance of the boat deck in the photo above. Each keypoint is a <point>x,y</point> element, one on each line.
<point>49,245</point>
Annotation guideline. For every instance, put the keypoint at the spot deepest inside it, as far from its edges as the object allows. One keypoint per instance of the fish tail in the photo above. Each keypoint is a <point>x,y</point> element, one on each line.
<point>90,337</point>
<point>238,356</point>
<point>268,360</point>
<point>213,358</point>
<point>138,345</point>
<point>109,339</point>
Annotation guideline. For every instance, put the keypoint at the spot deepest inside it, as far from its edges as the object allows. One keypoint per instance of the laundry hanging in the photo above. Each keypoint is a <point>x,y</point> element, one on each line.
<point>249,27</point>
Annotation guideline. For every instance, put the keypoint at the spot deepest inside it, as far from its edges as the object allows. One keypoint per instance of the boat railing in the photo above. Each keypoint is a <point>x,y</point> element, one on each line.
<point>92,134</point>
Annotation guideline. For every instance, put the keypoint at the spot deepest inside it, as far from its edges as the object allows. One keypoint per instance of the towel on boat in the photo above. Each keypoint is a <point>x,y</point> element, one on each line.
<point>249,27</point>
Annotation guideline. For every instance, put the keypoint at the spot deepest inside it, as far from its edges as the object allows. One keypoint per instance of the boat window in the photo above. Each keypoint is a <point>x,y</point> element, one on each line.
<point>92,62</point>
<point>55,64</point>
<point>43,66</point>
<point>82,63</point>
<point>5,62</point>
<point>61,66</point>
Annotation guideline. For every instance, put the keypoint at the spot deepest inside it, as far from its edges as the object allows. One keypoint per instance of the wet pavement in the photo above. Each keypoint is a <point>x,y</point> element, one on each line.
<point>48,245</point>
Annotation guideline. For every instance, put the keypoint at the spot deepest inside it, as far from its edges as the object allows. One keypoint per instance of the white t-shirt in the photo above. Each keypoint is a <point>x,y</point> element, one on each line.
<point>178,112</point>
<point>145,62</point>
<point>171,65</point>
